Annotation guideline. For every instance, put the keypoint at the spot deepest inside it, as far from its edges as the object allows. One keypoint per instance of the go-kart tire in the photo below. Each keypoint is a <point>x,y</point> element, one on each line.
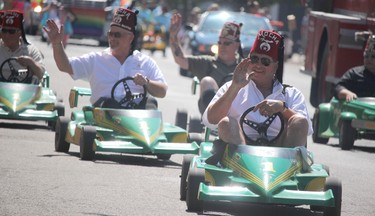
<point>335,185</point>
<point>195,177</point>
<point>59,107</point>
<point>61,128</point>
<point>347,135</point>
<point>186,160</point>
<point>315,135</point>
<point>195,125</point>
<point>163,156</point>
<point>181,119</point>
<point>195,137</point>
<point>86,143</point>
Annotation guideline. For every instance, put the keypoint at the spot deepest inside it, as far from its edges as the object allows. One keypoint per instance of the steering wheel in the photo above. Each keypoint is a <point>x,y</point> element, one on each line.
<point>128,102</point>
<point>261,128</point>
<point>17,75</point>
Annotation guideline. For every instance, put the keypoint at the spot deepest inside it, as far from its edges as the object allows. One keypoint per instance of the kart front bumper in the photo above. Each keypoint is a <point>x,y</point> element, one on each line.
<point>159,148</point>
<point>243,194</point>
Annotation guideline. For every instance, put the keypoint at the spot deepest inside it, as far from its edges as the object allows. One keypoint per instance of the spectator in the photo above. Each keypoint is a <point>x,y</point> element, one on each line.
<point>210,70</point>
<point>67,17</point>
<point>51,11</point>
<point>359,81</point>
<point>256,83</point>
<point>163,22</point>
<point>13,43</point>
<point>104,68</point>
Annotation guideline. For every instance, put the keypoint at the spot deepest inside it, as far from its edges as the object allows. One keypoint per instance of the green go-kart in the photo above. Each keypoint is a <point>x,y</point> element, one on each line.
<point>348,121</point>
<point>259,174</point>
<point>134,131</point>
<point>20,100</point>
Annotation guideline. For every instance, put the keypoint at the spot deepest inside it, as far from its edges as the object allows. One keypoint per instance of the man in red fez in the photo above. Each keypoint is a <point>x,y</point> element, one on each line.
<point>359,81</point>
<point>255,84</point>
<point>13,43</point>
<point>103,69</point>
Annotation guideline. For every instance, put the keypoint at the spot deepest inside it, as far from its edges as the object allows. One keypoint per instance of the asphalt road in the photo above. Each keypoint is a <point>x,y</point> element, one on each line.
<point>36,180</point>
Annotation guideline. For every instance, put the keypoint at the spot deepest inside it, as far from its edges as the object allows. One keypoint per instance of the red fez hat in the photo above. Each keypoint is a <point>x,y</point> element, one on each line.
<point>370,45</point>
<point>267,42</point>
<point>231,31</point>
<point>11,19</point>
<point>125,18</point>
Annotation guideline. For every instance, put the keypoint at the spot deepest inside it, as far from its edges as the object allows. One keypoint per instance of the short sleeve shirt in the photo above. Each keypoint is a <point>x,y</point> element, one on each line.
<point>206,65</point>
<point>250,96</point>
<point>358,80</point>
<point>23,50</point>
<point>102,70</point>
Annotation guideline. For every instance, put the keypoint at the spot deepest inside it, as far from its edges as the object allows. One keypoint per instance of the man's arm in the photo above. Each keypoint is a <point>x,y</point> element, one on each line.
<point>155,88</point>
<point>174,43</point>
<point>241,77</point>
<point>36,68</point>
<point>56,35</point>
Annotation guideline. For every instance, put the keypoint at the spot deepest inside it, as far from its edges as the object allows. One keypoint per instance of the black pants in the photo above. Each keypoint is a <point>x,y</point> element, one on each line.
<point>205,99</point>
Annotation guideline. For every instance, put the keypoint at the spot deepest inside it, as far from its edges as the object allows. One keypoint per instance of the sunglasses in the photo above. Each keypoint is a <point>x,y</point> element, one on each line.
<point>114,34</point>
<point>9,31</point>
<point>226,43</point>
<point>265,61</point>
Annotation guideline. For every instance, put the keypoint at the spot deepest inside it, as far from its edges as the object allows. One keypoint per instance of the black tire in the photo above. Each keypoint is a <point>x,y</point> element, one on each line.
<point>195,125</point>
<point>181,119</point>
<point>315,135</point>
<point>184,173</point>
<point>336,187</point>
<point>163,156</point>
<point>195,137</point>
<point>195,177</point>
<point>347,135</point>
<point>61,128</point>
<point>86,143</point>
<point>59,107</point>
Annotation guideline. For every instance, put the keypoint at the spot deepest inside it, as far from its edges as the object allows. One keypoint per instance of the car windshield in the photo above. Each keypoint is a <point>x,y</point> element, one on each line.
<point>213,22</point>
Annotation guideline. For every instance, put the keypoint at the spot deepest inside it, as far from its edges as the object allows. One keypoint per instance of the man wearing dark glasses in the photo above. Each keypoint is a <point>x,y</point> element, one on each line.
<point>212,71</point>
<point>359,81</point>
<point>13,44</point>
<point>103,69</point>
<point>256,84</point>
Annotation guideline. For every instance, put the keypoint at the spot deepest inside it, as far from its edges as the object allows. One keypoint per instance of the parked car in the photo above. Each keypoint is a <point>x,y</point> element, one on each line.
<point>202,38</point>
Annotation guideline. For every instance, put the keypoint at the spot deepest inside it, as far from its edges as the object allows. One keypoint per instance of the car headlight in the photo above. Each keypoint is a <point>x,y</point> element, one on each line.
<point>214,49</point>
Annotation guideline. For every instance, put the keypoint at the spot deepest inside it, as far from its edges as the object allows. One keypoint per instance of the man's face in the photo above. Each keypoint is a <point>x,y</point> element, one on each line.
<point>227,48</point>
<point>119,38</point>
<point>369,60</point>
<point>263,66</point>
<point>10,36</point>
